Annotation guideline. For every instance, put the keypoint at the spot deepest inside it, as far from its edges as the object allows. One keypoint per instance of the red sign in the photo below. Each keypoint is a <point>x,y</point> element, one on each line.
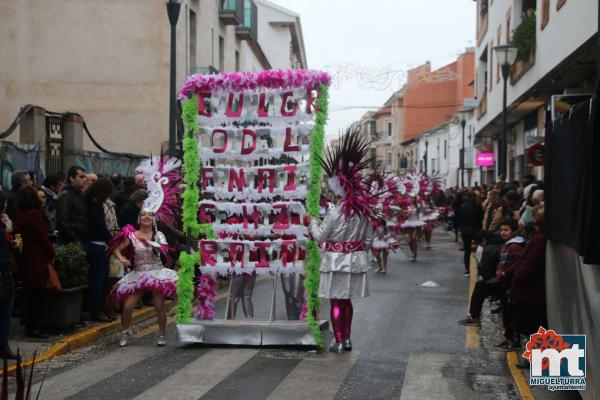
<point>535,155</point>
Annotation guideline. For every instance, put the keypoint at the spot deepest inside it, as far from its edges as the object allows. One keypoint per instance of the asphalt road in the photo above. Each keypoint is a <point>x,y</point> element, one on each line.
<point>407,345</point>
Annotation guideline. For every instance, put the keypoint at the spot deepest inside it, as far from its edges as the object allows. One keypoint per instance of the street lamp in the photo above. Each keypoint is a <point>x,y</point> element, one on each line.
<point>425,157</point>
<point>173,7</point>
<point>505,55</point>
<point>464,114</point>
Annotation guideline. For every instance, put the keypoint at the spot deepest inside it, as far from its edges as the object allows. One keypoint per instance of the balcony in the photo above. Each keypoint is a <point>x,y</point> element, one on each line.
<point>525,38</point>
<point>520,67</point>
<point>481,107</point>
<point>231,12</point>
<point>248,30</point>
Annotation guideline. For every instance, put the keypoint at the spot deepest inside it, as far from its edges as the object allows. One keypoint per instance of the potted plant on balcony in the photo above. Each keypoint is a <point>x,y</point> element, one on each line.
<point>524,37</point>
<point>63,308</point>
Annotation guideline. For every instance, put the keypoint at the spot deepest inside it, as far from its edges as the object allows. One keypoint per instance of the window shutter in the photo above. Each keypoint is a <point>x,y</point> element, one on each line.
<point>545,13</point>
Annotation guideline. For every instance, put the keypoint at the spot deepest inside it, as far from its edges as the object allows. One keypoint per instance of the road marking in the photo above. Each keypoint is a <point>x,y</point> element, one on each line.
<point>198,377</point>
<point>87,374</point>
<point>525,392</point>
<point>324,374</point>
<point>154,327</point>
<point>472,341</point>
<point>424,379</point>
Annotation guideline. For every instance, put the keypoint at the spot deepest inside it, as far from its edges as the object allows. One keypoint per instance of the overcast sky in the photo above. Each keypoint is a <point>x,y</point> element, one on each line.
<point>380,40</point>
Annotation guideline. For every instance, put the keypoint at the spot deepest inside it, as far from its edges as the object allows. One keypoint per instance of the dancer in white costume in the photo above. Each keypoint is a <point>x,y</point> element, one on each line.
<point>345,233</point>
<point>144,247</point>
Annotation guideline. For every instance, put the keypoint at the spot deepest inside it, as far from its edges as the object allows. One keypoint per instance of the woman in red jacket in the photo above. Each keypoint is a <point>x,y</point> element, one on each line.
<point>36,254</point>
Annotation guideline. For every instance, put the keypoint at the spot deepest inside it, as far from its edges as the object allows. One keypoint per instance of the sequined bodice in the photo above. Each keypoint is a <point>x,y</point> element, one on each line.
<point>145,258</point>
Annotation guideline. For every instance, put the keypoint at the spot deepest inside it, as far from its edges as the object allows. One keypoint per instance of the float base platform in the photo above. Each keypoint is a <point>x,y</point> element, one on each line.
<point>250,332</point>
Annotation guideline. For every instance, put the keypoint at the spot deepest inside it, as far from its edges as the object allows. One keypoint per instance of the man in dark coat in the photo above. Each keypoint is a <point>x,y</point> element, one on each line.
<point>489,285</point>
<point>128,215</point>
<point>53,185</point>
<point>18,180</point>
<point>71,211</point>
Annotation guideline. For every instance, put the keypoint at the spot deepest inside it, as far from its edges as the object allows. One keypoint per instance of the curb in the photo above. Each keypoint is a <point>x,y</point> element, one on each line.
<point>86,337</point>
<point>519,378</point>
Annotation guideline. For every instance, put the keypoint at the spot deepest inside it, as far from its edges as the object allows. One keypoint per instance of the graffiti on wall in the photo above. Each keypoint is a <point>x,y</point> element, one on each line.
<point>15,157</point>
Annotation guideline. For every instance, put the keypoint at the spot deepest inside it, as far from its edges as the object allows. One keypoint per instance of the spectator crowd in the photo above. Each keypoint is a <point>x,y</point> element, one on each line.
<point>504,226</point>
<point>83,208</point>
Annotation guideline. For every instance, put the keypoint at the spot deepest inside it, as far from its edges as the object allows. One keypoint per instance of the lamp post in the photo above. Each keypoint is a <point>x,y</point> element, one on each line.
<point>463,123</point>
<point>505,55</point>
<point>173,7</point>
<point>425,157</point>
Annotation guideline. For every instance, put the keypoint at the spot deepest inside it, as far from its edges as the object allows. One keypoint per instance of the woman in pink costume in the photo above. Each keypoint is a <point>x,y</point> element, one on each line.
<point>345,233</point>
<point>140,251</point>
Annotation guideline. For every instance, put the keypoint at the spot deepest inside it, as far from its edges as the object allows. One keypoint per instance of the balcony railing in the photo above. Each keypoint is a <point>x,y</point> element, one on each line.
<point>231,12</point>
<point>248,30</point>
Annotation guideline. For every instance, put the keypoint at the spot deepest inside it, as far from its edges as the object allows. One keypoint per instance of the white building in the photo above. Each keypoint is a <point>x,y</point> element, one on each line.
<point>561,60</point>
<point>437,152</point>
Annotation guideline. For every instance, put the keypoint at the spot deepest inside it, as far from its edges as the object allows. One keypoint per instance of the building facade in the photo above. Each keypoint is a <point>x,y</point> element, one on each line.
<point>553,60</point>
<point>110,61</point>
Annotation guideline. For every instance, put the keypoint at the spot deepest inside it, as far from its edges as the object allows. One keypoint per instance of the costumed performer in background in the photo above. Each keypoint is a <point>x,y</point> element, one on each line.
<point>412,225</point>
<point>345,233</point>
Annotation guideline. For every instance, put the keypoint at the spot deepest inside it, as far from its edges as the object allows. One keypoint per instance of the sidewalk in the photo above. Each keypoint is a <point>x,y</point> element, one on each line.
<point>61,343</point>
<point>490,333</point>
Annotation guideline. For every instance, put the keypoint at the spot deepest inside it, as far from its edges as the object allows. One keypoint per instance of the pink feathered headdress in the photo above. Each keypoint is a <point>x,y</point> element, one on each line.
<point>344,164</point>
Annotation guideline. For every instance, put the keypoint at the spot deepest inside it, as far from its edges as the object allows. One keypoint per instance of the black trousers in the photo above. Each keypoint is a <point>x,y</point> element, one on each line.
<point>467,238</point>
<point>481,292</point>
<point>527,318</point>
<point>32,298</point>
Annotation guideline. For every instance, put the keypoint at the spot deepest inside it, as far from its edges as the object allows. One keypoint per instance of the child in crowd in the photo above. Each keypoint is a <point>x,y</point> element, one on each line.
<point>510,252</point>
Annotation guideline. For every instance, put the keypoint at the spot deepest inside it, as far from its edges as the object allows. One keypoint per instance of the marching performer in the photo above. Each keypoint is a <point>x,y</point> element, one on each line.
<point>140,251</point>
<point>345,233</point>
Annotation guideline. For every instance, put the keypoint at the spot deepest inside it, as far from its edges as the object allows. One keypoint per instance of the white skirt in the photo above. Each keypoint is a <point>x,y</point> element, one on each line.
<point>161,281</point>
<point>379,244</point>
<point>343,285</point>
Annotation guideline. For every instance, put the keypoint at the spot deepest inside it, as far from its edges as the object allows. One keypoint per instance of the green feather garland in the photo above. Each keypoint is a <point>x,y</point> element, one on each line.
<point>185,286</point>
<point>313,204</point>
<point>191,196</point>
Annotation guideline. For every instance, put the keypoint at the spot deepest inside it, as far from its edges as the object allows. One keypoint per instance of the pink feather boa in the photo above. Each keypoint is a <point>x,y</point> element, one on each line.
<point>205,294</point>
<point>246,81</point>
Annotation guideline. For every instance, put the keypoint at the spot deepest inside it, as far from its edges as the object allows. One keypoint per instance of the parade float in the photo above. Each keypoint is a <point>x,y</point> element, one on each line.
<point>251,182</point>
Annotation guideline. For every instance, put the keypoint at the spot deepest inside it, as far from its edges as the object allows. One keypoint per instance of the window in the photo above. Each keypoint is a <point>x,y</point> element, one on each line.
<point>389,129</point>
<point>388,159</point>
<point>192,42</point>
<point>221,54</point>
<point>545,13</point>
<point>445,149</point>
<point>237,60</point>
